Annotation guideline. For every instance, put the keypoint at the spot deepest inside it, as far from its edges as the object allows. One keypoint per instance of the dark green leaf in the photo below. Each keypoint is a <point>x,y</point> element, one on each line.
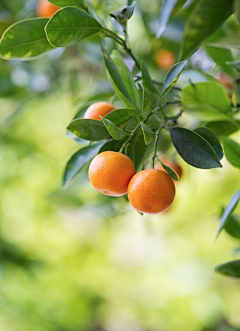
<point>113,130</point>
<point>78,161</point>
<point>112,145</point>
<point>237,9</point>
<point>235,65</point>
<point>115,75</point>
<point>194,149</point>
<point>228,211</point>
<point>137,150</point>
<point>148,84</point>
<point>172,173</point>
<point>88,129</point>
<point>232,151</point>
<point>165,14</point>
<point>223,128</point>
<point>127,77</point>
<point>212,140</point>
<point>69,26</point>
<point>122,115</point>
<point>207,100</point>
<point>233,226</point>
<point>221,56</point>
<point>229,269</point>
<point>25,40</point>
<point>147,133</point>
<point>172,77</point>
<point>146,102</point>
<point>65,3</point>
<point>205,18</point>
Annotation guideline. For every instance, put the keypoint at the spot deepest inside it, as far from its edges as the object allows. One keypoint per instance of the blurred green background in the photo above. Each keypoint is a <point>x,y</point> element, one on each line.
<point>75,260</point>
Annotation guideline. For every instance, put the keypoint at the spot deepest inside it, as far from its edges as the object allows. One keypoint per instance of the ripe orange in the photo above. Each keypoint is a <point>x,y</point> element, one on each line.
<point>165,59</point>
<point>170,163</point>
<point>151,191</point>
<point>46,9</point>
<point>98,110</point>
<point>110,173</point>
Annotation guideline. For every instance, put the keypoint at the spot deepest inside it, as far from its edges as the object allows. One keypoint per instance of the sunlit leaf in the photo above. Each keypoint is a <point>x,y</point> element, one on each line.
<point>25,40</point>
<point>147,133</point>
<point>228,211</point>
<point>88,129</point>
<point>232,151</point>
<point>194,149</point>
<point>146,102</point>
<point>172,77</point>
<point>69,25</point>
<point>66,3</point>
<point>113,130</point>
<point>122,115</point>
<point>165,14</point>
<point>205,18</point>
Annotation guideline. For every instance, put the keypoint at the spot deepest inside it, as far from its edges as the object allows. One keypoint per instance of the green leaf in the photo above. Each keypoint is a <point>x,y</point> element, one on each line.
<point>172,77</point>
<point>122,115</point>
<point>65,3</point>
<point>235,65</point>
<point>115,75</point>
<point>228,211</point>
<point>69,26</point>
<point>165,14</point>
<point>137,150</point>
<point>237,9</point>
<point>229,269</point>
<point>88,129</point>
<point>223,128</point>
<point>148,84</point>
<point>147,133</point>
<point>113,130</point>
<point>112,145</point>
<point>207,100</point>
<point>146,105</point>
<point>172,173</point>
<point>25,40</point>
<point>205,18</point>
<point>194,149</point>
<point>232,151</point>
<point>127,77</point>
<point>78,161</point>
<point>233,226</point>
<point>211,139</point>
<point>220,56</point>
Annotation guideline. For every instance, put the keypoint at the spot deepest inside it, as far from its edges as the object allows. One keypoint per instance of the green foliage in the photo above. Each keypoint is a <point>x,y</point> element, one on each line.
<point>113,130</point>
<point>206,17</point>
<point>147,133</point>
<point>232,151</point>
<point>172,77</point>
<point>194,149</point>
<point>88,129</point>
<point>211,139</point>
<point>229,269</point>
<point>25,40</point>
<point>65,3</point>
<point>69,26</point>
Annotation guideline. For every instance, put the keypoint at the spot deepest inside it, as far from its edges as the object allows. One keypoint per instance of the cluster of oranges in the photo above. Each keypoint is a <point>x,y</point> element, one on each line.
<point>149,191</point>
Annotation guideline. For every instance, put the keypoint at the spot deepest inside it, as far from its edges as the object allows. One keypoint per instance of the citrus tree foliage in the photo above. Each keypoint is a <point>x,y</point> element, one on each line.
<point>150,108</point>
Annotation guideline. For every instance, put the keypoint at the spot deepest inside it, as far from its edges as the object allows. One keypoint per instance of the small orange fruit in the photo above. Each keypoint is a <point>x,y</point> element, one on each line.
<point>110,173</point>
<point>46,9</point>
<point>165,59</point>
<point>151,191</point>
<point>98,110</point>
<point>170,163</point>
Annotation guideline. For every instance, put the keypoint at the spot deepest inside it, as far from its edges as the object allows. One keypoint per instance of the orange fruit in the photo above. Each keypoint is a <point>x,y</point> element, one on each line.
<point>226,80</point>
<point>170,163</point>
<point>110,173</point>
<point>151,191</point>
<point>46,9</point>
<point>165,59</point>
<point>98,110</point>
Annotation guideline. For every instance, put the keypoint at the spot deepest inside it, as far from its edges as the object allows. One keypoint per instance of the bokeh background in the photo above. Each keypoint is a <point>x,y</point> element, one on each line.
<point>75,260</point>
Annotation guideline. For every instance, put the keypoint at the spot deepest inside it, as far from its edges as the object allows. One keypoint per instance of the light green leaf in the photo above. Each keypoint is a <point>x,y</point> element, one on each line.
<point>205,18</point>
<point>65,3</point>
<point>146,105</point>
<point>122,115</point>
<point>172,77</point>
<point>228,211</point>
<point>207,100</point>
<point>25,40</point>
<point>221,56</point>
<point>223,128</point>
<point>148,134</point>
<point>235,64</point>
<point>237,9</point>
<point>69,26</point>
<point>88,129</point>
<point>232,151</point>
<point>113,130</point>
<point>148,84</point>
<point>165,14</point>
